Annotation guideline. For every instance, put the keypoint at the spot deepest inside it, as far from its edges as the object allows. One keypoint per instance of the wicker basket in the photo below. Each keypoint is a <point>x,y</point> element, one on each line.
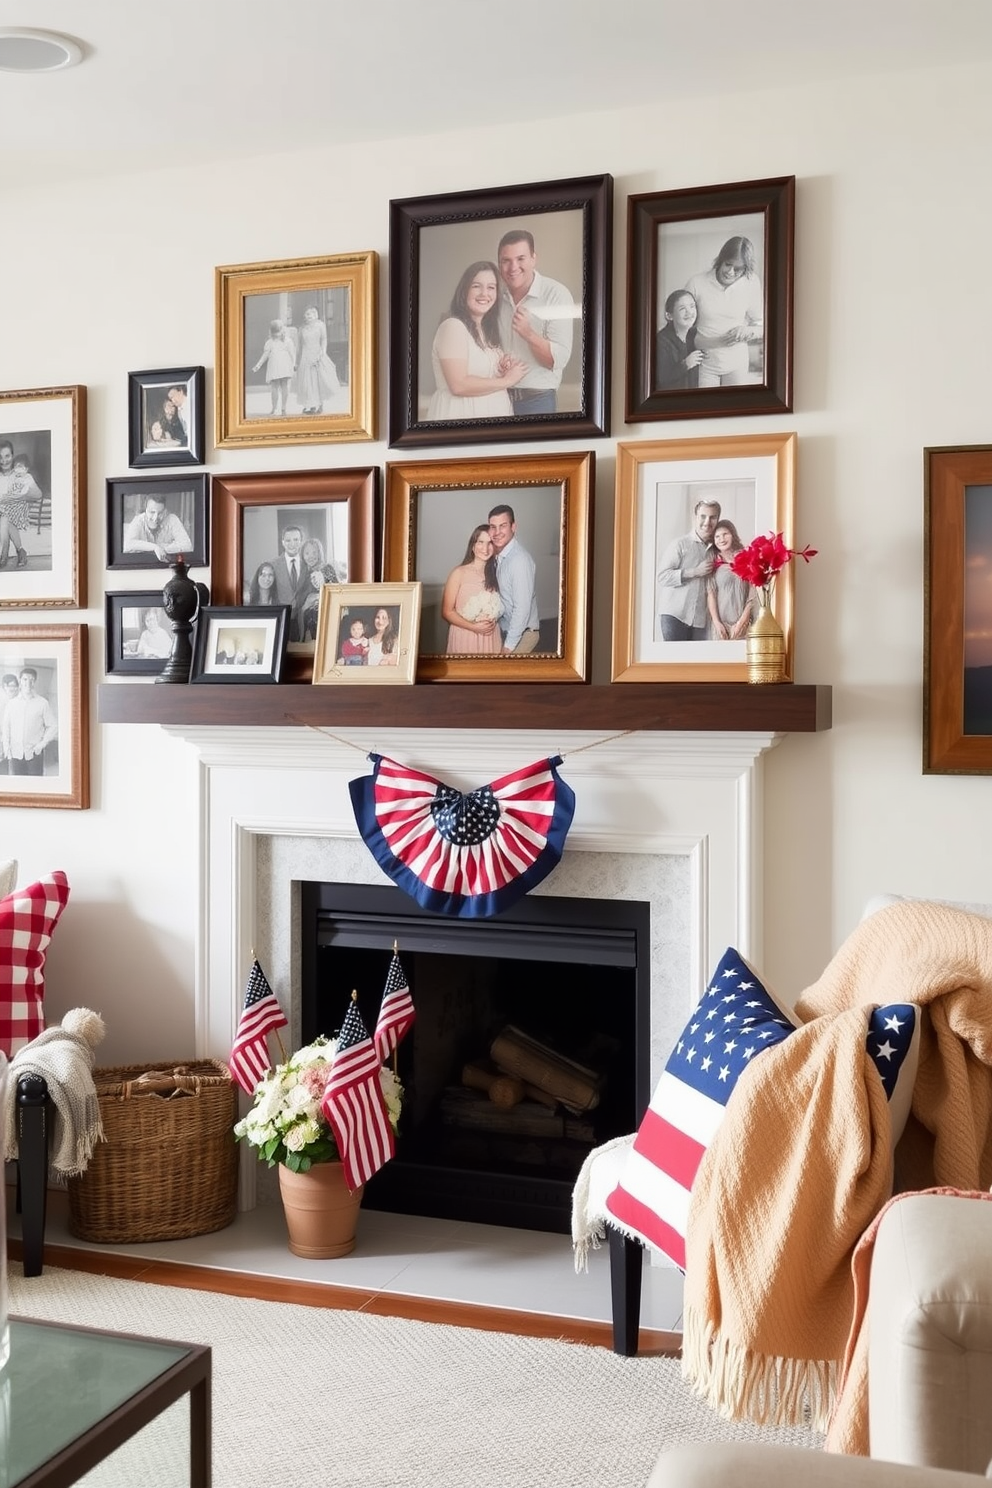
<point>169,1166</point>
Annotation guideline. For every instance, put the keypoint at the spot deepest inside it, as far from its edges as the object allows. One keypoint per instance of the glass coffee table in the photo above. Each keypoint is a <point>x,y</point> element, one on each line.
<point>70,1396</point>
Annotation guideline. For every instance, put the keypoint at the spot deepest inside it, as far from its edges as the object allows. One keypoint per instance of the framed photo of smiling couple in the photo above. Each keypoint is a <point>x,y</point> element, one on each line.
<point>499,313</point>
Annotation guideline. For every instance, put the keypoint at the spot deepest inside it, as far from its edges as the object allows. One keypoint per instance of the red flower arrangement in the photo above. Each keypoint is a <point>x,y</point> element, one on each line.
<point>763,559</point>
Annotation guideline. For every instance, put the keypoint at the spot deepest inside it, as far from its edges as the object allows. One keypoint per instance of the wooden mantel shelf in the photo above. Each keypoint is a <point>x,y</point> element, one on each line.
<point>790,707</point>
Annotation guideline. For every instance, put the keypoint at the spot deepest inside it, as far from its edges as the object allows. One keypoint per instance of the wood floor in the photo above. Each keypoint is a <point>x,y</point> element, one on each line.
<point>653,1342</point>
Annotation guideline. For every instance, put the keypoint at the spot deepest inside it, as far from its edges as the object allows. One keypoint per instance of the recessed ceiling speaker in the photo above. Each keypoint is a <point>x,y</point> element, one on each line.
<point>36,51</point>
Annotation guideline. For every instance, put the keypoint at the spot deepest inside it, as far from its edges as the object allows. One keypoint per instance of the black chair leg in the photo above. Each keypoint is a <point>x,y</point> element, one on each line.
<point>626,1258</point>
<point>32,1168</point>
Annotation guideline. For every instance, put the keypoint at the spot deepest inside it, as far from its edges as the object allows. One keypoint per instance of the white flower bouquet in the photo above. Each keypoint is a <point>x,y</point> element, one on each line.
<point>486,605</point>
<point>287,1124</point>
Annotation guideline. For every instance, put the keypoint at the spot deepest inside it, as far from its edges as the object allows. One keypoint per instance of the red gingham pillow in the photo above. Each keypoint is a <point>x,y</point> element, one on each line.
<point>27,919</point>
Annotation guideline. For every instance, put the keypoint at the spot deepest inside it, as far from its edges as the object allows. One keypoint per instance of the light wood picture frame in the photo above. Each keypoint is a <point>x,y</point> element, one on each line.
<point>312,380</point>
<point>750,481</point>
<point>434,508</point>
<point>43,498</point>
<point>367,634</point>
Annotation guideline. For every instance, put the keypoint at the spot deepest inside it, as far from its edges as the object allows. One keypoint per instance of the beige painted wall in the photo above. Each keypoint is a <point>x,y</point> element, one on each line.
<point>893,352</point>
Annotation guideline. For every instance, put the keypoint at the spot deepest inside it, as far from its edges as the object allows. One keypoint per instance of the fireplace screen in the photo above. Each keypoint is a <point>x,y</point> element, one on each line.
<point>530,1046</point>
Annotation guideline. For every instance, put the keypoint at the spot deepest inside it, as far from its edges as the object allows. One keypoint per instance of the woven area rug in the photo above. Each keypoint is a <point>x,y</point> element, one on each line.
<point>345,1400</point>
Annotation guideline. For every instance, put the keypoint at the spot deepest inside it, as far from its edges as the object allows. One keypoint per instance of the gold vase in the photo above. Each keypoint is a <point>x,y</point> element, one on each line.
<point>765,646</point>
<point>321,1213</point>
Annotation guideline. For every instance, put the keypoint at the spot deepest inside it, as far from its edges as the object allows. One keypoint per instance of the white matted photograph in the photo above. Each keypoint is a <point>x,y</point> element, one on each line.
<point>683,509</point>
<point>44,727</point>
<point>239,643</point>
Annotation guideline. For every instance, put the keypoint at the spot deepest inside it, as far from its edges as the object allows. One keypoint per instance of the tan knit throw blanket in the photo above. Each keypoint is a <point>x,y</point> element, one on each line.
<point>802,1162</point>
<point>65,1060</point>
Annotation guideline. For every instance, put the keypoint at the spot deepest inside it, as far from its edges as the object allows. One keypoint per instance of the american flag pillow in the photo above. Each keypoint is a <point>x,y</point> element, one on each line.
<point>27,919</point>
<point>735,1019</point>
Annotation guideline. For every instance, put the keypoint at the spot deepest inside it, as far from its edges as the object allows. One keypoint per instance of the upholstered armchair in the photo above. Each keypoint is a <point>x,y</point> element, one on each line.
<point>929,1376</point>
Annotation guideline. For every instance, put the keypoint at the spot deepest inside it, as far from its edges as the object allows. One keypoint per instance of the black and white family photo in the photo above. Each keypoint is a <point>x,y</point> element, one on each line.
<point>296,353</point>
<point>698,597</point>
<point>29,726</point>
<point>710,303</point>
<point>26,500</point>
<point>289,554</point>
<point>501,317</point>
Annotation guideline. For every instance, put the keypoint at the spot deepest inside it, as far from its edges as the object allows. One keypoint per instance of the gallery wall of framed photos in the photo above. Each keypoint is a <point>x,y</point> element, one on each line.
<point>504,313</point>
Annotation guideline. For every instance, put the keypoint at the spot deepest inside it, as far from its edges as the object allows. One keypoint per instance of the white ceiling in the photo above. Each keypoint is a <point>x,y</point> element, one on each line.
<point>213,79</point>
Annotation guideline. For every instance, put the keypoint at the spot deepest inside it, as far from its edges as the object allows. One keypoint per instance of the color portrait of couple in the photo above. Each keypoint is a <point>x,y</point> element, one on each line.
<point>501,318</point>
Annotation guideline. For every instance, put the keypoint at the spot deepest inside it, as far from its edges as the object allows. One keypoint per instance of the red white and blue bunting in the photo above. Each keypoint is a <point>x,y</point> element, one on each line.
<point>469,854</point>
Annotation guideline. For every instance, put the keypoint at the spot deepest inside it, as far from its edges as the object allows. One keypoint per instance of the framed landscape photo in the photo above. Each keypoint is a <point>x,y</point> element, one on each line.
<point>239,643</point>
<point>154,519</point>
<point>502,548</point>
<point>44,716</point>
<point>139,633</point>
<point>957,654</point>
<point>279,538</point>
<point>296,350</point>
<point>43,498</point>
<point>367,634</point>
<point>709,300</point>
<point>500,313</point>
<point>679,500</point>
<point>166,420</point>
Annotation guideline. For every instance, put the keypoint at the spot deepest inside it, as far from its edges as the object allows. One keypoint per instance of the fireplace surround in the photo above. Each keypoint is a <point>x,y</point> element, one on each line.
<point>671,819</point>
<point>574,973</point>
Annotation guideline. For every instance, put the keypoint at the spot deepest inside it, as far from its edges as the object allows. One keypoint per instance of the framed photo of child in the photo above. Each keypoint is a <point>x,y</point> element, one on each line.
<point>709,300</point>
<point>42,498</point>
<point>367,634</point>
<point>165,417</point>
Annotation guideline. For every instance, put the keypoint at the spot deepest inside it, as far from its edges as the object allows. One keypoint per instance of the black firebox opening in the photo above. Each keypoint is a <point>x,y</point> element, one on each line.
<point>571,974</point>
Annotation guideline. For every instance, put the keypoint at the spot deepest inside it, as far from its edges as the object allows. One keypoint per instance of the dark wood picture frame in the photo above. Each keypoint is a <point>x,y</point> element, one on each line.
<point>291,497</point>
<point>186,511</point>
<point>60,656</point>
<point>129,652</point>
<point>47,426</point>
<point>957,681</point>
<point>662,254</point>
<point>151,443</point>
<point>235,632</point>
<point>466,227</point>
<point>425,539</point>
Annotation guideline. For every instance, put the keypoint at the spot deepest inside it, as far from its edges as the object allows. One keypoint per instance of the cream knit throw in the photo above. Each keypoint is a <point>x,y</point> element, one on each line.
<point>802,1163</point>
<point>64,1057</point>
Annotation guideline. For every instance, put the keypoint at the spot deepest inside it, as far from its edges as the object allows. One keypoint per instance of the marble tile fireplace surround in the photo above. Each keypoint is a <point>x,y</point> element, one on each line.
<point>670,818</point>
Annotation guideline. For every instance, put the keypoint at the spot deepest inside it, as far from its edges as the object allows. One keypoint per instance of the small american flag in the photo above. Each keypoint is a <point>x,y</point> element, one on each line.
<point>354,1103</point>
<point>249,1059</point>
<point>397,1012</point>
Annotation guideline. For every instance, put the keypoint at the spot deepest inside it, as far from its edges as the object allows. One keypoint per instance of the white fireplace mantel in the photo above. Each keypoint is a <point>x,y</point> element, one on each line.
<point>279,796</point>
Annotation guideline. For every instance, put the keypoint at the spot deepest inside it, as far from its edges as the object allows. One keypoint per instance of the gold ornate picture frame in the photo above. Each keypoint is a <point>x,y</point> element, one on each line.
<point>435,508</point>
<point>296,351</point>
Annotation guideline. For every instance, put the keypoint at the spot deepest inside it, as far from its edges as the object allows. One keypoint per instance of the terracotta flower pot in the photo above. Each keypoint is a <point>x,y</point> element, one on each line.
<point>321,1214</point>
